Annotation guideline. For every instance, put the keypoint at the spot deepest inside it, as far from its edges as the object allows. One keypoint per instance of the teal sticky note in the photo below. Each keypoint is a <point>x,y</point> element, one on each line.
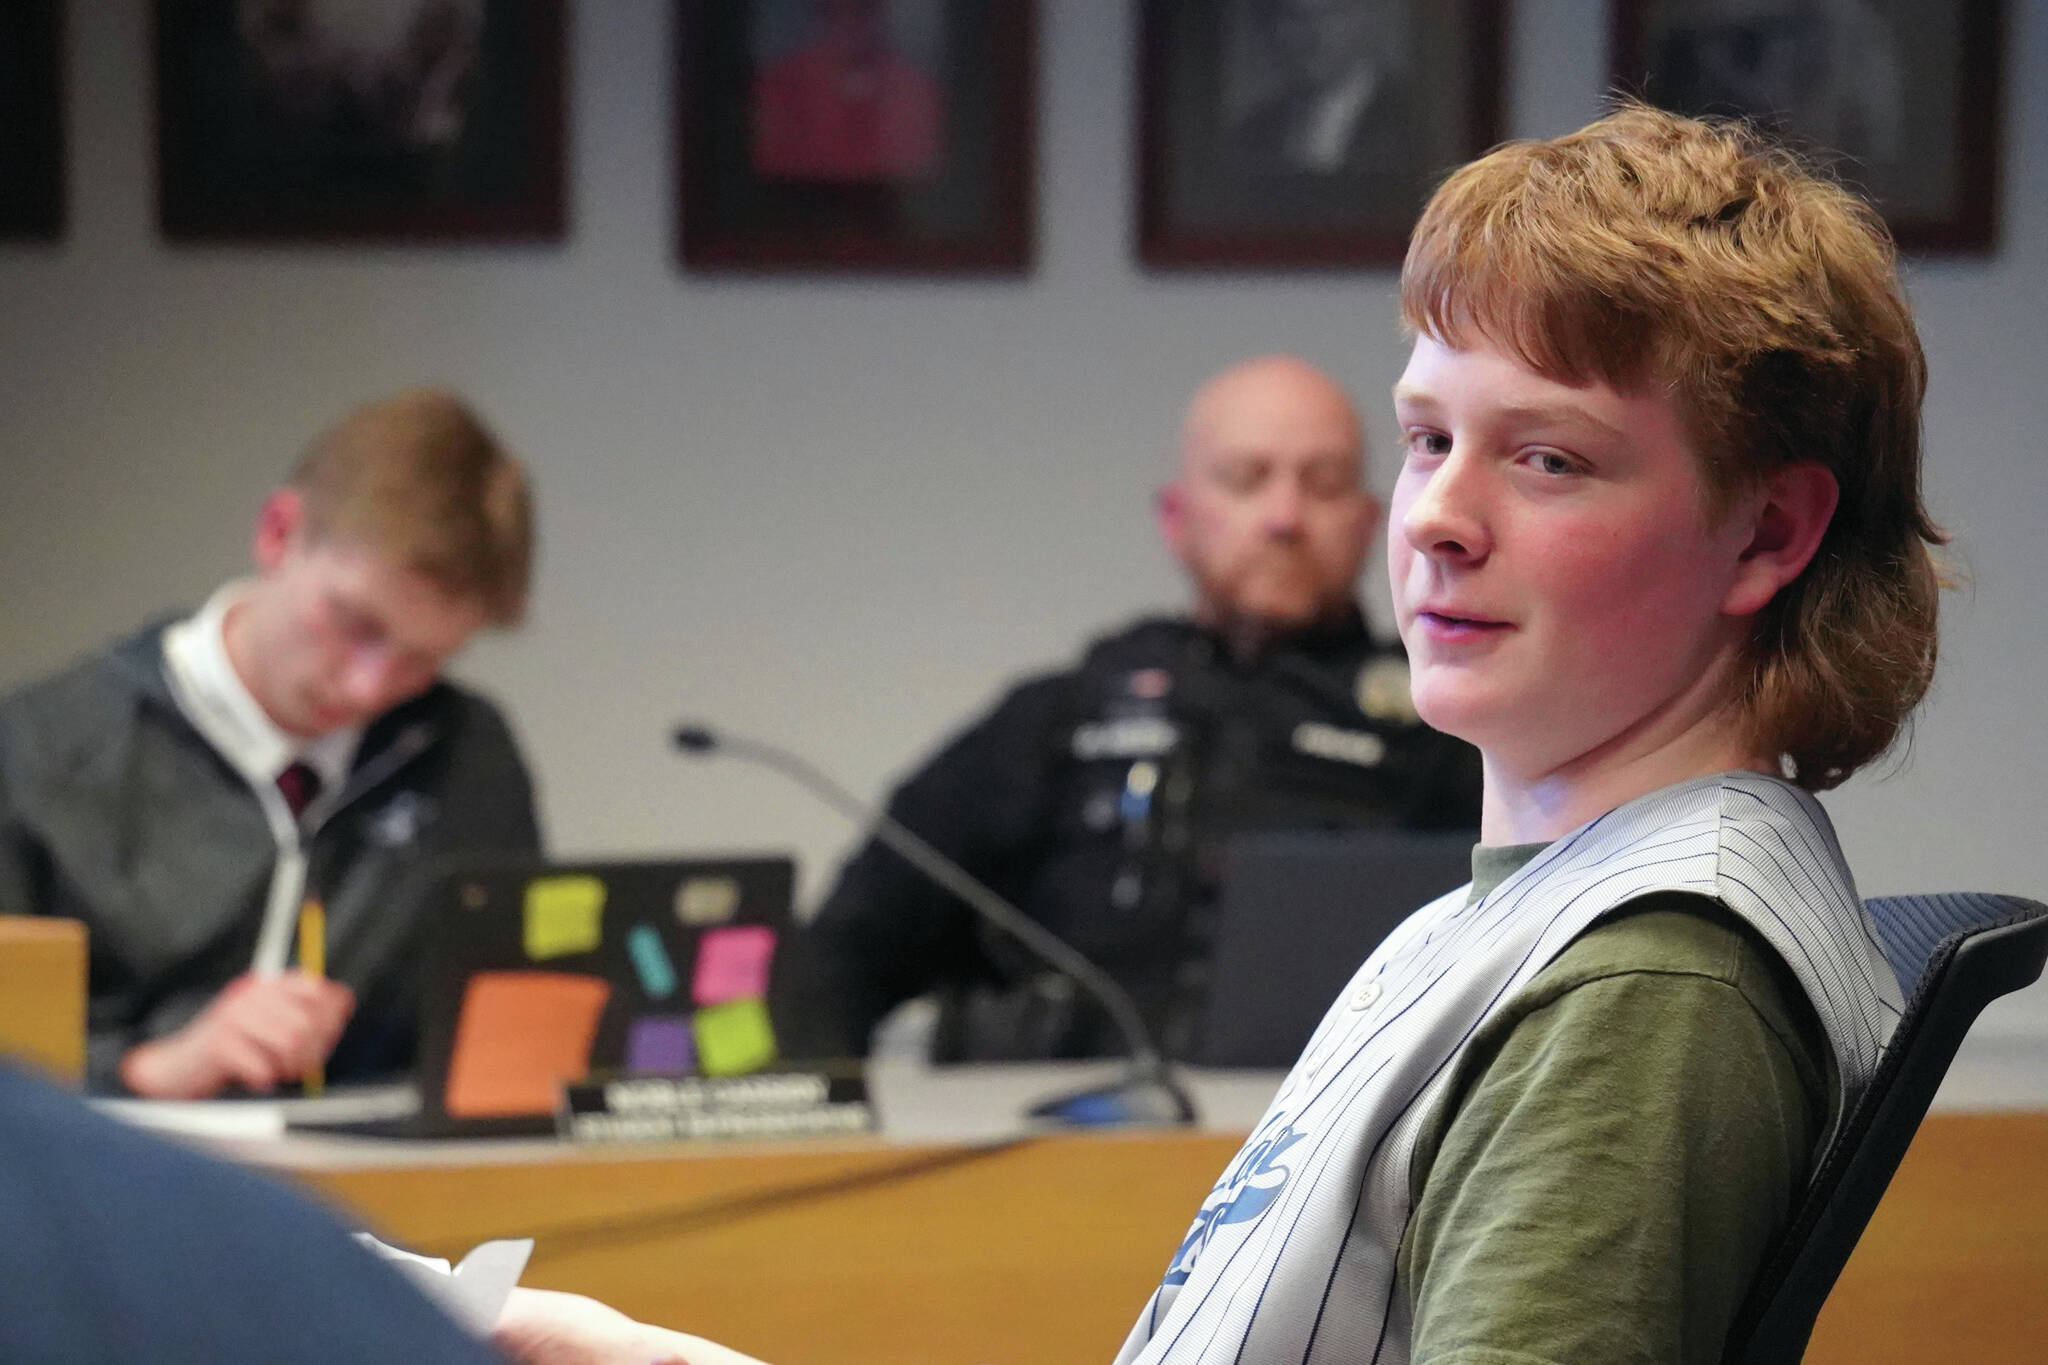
<point>650,960</point>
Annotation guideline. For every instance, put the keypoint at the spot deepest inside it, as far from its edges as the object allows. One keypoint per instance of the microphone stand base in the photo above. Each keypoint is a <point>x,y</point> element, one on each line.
<point>1149,1100</point>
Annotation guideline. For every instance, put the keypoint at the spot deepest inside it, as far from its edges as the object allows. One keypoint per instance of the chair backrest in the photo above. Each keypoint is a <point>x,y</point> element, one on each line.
<point>1953,955</point>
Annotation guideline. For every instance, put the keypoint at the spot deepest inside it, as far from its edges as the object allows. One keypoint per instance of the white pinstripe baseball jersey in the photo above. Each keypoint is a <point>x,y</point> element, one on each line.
<point>1291,1260</point>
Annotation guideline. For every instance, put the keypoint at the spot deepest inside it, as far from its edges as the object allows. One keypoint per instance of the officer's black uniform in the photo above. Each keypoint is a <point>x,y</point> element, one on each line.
<point>1098,801</point>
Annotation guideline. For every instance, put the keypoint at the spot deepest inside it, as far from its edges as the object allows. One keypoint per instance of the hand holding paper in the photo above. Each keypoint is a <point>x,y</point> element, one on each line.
<point>542,1327</point>
<point>474,1292</point>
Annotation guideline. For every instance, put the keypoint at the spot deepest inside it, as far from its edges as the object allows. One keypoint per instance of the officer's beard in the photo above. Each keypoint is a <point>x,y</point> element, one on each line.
<point>1248,632</point>
<point>1248,635</point>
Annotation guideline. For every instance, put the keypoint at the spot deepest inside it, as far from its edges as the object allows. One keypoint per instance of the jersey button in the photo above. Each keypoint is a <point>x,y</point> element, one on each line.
<point>1366,996</point>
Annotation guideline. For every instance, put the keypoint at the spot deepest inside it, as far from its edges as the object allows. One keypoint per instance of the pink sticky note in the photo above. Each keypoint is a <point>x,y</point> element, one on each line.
<point>731,963</point>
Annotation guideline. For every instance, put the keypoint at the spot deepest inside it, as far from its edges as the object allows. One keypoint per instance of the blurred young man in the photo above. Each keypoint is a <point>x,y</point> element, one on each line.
<point>1099,798</point>
<point>187,790</point>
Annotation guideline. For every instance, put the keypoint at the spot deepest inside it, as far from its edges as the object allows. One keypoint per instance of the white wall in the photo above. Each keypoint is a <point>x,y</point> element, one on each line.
<point>843,512</point>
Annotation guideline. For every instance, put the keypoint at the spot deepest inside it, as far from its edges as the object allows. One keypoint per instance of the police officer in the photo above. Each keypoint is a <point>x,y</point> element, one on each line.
<point>1098,800</point>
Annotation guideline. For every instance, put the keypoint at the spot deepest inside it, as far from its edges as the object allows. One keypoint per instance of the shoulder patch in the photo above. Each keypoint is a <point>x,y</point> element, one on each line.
<point>401,819</point>
<point>1382,692</point>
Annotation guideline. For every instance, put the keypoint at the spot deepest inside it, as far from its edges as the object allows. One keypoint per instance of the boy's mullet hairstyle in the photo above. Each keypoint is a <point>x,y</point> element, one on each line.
<point>418,479</point>
<point>1650,249</point>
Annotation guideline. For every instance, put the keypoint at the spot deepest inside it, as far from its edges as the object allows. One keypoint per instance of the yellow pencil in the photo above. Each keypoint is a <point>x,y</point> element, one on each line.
<point>313,962</point>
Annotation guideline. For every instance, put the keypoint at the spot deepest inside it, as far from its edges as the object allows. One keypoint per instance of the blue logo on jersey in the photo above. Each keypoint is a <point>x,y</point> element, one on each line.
<point>1246,1190</point>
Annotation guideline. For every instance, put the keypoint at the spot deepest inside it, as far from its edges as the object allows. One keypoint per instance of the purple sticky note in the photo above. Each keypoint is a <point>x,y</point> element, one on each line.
<point>661,1043</point>
<point>731,963</point>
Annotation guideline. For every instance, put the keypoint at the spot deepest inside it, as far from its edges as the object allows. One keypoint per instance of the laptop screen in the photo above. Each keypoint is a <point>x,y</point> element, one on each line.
<point>541,974</point>
<point>1297,913</point>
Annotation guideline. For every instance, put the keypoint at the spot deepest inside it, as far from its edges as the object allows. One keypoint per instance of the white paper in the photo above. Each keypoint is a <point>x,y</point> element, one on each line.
<point>261,1120</point>
<point>472,1292</point>
<point>216,1120</point>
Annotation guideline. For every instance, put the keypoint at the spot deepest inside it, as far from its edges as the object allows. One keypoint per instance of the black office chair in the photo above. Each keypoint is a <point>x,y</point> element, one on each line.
<point>1953,955</point>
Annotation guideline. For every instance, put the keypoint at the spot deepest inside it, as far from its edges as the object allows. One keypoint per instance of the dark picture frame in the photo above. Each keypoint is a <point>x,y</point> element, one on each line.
<point>1306,133</point>
<point>31,121</point>
<point>431,121</point>
<point>1901,98</point>
<point>856,135</point>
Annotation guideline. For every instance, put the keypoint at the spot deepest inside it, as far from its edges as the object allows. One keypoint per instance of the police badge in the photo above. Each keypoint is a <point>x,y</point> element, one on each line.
<point>1382,692</point>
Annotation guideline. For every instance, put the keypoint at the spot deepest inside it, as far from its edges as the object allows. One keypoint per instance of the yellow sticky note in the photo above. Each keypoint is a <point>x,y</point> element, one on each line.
<point>733,1038</point>
<point>563,915</point>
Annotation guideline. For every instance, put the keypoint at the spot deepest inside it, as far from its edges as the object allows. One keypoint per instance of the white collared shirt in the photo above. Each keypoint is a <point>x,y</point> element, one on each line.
<point>213,697</point>
<point>219,704</point>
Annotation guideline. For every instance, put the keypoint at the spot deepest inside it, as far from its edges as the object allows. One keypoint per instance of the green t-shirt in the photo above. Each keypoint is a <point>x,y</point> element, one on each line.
<point>1618,1147</point>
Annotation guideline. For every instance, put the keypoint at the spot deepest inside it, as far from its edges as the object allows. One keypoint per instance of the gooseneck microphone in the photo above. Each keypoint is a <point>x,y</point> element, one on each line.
<point>1148,1092</point>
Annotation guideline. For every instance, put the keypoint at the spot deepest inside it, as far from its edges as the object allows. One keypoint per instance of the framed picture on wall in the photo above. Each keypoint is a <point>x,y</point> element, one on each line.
<point>1900,97</point>
<point>1277,133</point>
<point>855,134</point>
<point>31,121</point>
<point>360,120</point>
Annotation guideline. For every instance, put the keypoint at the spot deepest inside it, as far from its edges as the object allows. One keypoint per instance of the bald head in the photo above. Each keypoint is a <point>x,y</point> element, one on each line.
<point>1268,512</point>
<point>1280,394</point>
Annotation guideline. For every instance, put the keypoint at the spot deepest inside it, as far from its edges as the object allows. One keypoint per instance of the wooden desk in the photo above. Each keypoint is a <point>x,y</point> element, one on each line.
<point>1043,1250</point>
<point>42,994</point>
<point>1954,1265</point>
<point>1039,1251</point>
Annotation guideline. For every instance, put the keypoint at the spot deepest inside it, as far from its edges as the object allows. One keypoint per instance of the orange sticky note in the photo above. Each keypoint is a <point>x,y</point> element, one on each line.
<point>520,1036</point>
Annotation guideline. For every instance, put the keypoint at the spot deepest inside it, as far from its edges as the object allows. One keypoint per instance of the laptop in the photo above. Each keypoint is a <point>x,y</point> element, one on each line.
<point>1297,913</point>
<point>536,974</point>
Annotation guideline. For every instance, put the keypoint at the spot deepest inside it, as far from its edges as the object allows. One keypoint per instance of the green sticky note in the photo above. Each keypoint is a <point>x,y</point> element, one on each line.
<point>563,915</point>
<point>734,1038</point>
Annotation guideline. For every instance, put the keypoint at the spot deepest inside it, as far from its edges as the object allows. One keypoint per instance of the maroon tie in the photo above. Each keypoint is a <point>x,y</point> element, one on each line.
<point>300,784</point>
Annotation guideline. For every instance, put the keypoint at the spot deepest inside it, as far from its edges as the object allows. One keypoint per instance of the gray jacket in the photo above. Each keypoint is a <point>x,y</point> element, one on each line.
<point>115,811</point>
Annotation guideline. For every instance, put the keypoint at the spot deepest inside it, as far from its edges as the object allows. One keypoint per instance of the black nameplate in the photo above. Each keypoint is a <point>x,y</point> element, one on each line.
<point>760,1105</point>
